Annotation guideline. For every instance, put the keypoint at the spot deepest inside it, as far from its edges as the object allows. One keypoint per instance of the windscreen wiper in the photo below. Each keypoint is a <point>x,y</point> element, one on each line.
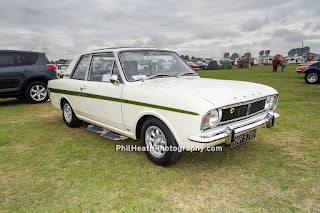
<point>156,76</point>
<point>187,73</point>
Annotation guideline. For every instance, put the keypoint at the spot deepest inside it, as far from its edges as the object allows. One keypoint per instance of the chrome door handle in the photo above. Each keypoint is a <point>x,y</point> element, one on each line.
<point>83,87</point>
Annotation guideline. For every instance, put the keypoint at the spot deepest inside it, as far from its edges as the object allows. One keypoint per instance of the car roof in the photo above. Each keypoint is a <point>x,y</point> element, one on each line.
<point>19,51</point>
<point>115,50</point>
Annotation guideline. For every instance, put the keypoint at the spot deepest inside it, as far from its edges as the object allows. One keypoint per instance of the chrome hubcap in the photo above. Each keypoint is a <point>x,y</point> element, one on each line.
<point>312,77</point>
<point>38,93</point>
<point>156,141</point>
<point>67,112</point>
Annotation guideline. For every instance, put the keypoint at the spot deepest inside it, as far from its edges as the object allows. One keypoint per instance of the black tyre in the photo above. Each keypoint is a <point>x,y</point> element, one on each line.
<point>312,77</point>
<point>69,117</point>
<point>157,138</point>
<point>36,92</point>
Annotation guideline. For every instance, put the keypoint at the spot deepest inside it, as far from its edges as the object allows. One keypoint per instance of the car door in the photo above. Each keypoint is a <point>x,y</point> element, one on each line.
<point>74,84</point>
<point>102,99</point>
<point>14,70</point>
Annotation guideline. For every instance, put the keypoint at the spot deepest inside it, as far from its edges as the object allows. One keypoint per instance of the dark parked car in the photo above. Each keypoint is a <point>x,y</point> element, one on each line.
<point>312,73</point>
<point>25,74</point>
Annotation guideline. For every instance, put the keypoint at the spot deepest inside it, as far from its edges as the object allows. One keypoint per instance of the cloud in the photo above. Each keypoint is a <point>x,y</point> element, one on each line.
<point>66,28</point>
<point>291,35</point>
<point>316,27</point>
<point>252,24</point>
<point>307,25</point>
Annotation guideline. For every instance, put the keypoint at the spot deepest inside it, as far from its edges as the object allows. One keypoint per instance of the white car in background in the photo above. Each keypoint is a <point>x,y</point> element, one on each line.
<point>61,69</point>
<point>167,105</point>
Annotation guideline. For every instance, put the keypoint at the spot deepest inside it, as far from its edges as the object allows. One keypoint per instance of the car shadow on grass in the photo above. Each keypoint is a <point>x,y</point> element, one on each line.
<point>12,102</point>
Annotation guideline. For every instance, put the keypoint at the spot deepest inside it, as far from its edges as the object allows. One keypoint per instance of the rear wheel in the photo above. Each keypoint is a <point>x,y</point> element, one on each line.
<point>36,92</point>
<point>162,148</point>
<point>312,77</point>
<point>69,117</point>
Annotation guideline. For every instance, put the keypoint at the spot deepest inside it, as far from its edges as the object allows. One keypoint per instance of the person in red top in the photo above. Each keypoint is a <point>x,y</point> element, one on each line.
<point>275,63</point>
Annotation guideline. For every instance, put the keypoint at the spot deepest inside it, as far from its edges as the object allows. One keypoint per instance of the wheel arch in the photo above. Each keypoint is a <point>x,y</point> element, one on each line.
<point>310,70</point>
<point>145,116</point>
<point>62,99</point>
<point>38,78</point>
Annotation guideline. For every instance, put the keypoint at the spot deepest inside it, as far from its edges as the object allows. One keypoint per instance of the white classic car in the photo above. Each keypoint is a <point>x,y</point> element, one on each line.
<point>166,104</point>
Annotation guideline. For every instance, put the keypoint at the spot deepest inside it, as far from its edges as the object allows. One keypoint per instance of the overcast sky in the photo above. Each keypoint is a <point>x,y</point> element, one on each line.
<point>207,28</point>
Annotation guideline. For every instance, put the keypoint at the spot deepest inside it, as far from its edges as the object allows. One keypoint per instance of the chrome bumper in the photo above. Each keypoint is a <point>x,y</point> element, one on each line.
<point>229,133</point>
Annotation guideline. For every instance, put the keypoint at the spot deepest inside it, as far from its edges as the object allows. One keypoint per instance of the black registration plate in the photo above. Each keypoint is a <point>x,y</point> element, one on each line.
<point>243,138</point>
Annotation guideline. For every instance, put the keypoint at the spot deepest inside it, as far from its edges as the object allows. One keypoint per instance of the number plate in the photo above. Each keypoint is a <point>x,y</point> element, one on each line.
<point>243,138</point>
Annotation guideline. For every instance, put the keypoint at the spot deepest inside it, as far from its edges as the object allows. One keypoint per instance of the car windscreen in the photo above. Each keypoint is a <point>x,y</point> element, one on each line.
<point>138,65</point>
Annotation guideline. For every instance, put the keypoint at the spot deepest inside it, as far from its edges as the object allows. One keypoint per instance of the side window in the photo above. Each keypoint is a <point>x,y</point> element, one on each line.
<point>101,68</point>
<point>6,60</point>
<point>80,71</point>
<point>21,59</point>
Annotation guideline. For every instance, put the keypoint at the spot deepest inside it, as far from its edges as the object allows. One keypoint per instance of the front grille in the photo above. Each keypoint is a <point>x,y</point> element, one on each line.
<point>257,106</point>
<point>242,110</point>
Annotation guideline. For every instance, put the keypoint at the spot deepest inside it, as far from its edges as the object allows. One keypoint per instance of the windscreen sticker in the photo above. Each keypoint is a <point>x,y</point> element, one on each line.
<point>138,77</point>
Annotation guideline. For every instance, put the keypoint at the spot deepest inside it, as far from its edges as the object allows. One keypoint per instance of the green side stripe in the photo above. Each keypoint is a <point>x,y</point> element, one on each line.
<point>119,100</point>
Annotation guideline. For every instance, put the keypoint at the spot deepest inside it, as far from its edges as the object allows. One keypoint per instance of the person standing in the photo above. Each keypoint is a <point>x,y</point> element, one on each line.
<point>283,66</point>
<point>275,63</point>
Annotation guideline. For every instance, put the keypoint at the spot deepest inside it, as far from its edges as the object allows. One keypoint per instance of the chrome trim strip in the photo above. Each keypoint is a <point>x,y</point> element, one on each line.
<point>229,133</point>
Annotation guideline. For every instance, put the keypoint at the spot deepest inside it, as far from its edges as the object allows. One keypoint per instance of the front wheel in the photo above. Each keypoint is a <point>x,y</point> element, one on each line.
<point>312,77</point>
<point>161,146</point>
<point>69,117</point>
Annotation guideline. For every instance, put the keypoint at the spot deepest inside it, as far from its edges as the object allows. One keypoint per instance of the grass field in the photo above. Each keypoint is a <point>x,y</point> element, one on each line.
<point>46,166</point>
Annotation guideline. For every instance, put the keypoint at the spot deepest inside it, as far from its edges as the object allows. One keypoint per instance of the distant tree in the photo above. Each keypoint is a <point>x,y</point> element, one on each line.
<point>182,56</point>
<point>292,52</point>
<point>193,58</point>
<point>247,54</point>
<point>226,55</point>
<point>305,50</point>
<point>186,57</point>
<point>298,51</point>
<point>52,62</point>
<point>234,56</point>
<point>62,61</point>
<point>261,53</point>
<point>267,52</point>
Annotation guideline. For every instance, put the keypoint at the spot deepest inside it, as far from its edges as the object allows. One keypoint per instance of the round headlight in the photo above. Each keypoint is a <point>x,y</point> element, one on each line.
<point>268,103</point>
<point>211,119</point>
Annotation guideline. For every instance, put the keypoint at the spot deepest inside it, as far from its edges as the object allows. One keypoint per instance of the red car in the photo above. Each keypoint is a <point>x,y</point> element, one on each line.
<point>193,65</point>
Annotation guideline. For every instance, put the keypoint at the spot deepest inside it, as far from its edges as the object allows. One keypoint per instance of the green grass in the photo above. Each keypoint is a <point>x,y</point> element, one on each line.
<point>46,166</point>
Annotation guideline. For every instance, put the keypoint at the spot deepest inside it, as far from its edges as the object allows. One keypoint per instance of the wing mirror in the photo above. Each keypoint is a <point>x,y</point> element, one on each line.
<point>114,80</point>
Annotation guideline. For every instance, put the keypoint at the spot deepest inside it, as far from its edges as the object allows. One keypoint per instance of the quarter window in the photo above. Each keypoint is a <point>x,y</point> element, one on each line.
<point>32,57</point>
<point>116,72</point>
<point>80,72</point>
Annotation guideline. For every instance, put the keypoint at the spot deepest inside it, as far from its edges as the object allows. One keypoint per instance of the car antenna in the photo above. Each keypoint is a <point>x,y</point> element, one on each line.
<point>140,42</point>
<point>34,45</point>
